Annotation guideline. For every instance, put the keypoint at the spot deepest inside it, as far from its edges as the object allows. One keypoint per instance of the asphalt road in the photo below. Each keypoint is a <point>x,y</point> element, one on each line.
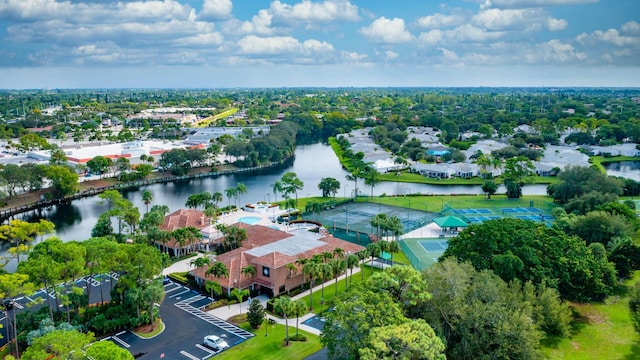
<point>185,328</point>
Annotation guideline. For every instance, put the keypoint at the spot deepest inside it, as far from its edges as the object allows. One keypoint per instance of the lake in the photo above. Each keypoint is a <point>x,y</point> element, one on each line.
<point>75,220</point>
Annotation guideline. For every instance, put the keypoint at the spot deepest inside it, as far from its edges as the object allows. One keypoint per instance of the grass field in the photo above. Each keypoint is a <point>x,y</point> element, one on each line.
<point>421,179</point>
<point>437,203</point>
<point>271,346</point>
<point>600,331</point>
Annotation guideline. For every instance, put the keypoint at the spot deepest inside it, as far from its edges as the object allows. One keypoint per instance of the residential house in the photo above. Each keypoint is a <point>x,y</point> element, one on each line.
<point>544,169</point>
<point>269,251</point>
<point>437,171</point>
<point>180,219</point>
<point>465,170</point>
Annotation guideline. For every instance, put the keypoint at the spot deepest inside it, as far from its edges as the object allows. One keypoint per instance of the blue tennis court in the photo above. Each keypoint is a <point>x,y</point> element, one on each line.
<point>477,219</point>
<point>471,211</point>
<point>521,210</point>
<point>433,246</point>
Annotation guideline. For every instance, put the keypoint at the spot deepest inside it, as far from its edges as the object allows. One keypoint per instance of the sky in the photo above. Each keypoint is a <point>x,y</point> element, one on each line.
<point>318,43</point>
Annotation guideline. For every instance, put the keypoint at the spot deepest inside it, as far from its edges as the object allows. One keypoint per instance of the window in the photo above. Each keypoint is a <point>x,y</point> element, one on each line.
<point>265,271</point>
<point>281,289</point>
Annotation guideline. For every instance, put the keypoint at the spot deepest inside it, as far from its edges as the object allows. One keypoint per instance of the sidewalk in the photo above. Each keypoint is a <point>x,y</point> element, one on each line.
<point>226,312</point>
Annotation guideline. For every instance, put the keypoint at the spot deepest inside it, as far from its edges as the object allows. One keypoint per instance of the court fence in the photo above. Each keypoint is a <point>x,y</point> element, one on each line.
<point>415,261</point>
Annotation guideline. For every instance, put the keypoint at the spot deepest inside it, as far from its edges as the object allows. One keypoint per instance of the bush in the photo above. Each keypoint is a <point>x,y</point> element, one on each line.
<point>298,337</point>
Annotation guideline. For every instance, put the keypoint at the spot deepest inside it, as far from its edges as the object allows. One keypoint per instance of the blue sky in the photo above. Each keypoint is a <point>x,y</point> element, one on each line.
<point>260,43</point>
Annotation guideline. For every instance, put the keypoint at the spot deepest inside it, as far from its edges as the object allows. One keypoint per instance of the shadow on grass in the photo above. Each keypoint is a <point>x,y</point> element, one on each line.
<point>577,325</point>
<point>635,352</point>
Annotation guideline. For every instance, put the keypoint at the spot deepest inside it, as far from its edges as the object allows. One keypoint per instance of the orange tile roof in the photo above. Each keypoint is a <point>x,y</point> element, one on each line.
<point>183,218</point>
<point>258,235</point>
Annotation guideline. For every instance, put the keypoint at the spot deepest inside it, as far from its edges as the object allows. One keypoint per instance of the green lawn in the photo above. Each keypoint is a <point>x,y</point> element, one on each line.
<point>271,346</point>
<point>600,331</point>
<point>421,179</point>
<point>436,203</point>
<point>330,291</point>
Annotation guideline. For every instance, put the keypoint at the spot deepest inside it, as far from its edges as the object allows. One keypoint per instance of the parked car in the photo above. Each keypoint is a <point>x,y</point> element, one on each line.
<point>215,343</point>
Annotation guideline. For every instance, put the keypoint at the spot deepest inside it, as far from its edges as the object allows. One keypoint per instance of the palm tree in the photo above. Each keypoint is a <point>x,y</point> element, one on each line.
<point>299,308</point>
<point>240,190</point>
<point>371,177</point>
<point>325,271</point>
<point>218,270</point>
<point>310,269</point>
<point>213,287</point>
<point>216,197</point>
<point>147,198</point>
<point>231,193</point>
<point>199,262</point>
<point>377,222</point>
<point>395,225</point>
<point>393,247</point>
<point>338,252</point>
<point>313,207</point>
<point>249,271</point>
<point>284,306</point>
<point>301,262</point>
<point>277,188</point>
<point>293,269</point>
<point>239,294</point>
<point>373,250</point>
<point>352,261</point>
<point>326,256</point>
<point>336,268</point>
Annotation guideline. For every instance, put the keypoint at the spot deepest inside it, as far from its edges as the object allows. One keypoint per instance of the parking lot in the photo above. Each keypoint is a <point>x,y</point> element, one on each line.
<point>186,326</point>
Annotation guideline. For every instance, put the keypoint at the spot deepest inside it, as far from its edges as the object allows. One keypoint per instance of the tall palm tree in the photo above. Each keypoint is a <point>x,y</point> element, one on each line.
<point>284,306</point>
<point>147,198</point>
<point>374,250</point>
<point>311,270</point>
<point>326,256</point>
<point>325,271</point>
<point>240,190</point>
<point>395,226</point>
<point>277,188</point>
<point>231,193</point>
<point>378,222</point>
<point>371,177</point>
<point>249,271</point>
<point>393,247</point>
<point>352,261</point>
<point>301,262</point>
<point>199,262</point>
<point>216,197</point>
<point>299,308</point>
<point>336,269</point>
<point>293,269</point>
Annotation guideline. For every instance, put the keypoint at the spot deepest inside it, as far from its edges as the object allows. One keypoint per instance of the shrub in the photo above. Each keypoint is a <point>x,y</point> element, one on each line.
<point>298,337</point>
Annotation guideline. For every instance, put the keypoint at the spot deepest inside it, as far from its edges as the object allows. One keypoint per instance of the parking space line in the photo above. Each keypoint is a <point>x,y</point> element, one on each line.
<point>2,319</point>
<point>20,307</point>
<point>120,341</point>
<point>180,293</point>
<point>206,349</point>
<point>189,355</point>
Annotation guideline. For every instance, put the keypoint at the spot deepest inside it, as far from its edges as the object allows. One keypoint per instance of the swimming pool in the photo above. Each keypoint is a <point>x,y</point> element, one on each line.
<point>251,220</point>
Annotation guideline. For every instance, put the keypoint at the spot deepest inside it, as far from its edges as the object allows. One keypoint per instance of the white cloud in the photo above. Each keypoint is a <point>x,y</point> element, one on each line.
<point>431,37</point>
<point>205,39</point>
<point>216,9</point>
<point>631,28</point>
<point>555,51</point>
<point>440,20</point>
<point>387,31</point>
<point>611,36</point>
<point>260,24</point>
<point>308,11</point>
<point>352,56</point>
<point>531,3</point>
<point>253,45</point>
<point>391,55</point>
<point>554,24</point>
<point>472,33</point>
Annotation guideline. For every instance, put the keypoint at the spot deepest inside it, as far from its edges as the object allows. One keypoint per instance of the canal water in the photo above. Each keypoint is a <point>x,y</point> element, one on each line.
<point>75,220</point>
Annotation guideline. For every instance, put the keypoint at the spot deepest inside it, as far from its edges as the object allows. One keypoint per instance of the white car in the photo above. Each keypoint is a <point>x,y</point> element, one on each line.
<point>215,343</point>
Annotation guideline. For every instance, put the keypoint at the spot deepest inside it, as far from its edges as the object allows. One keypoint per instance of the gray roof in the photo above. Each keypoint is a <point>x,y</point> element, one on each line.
<point>301,242</point>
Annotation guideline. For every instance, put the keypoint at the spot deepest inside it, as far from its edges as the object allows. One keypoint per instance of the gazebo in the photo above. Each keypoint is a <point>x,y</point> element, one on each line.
<point>451,223</point>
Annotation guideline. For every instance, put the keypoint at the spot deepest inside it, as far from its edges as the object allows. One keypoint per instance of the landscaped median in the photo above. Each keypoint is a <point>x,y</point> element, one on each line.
<point>268,344</point>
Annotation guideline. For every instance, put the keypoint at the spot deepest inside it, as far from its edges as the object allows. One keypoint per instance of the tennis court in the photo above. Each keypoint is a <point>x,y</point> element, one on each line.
<point>521,210</point>
<point>471,211</point>
<point>358,216</point>
<point>478,219</point>
<point>423,253</point>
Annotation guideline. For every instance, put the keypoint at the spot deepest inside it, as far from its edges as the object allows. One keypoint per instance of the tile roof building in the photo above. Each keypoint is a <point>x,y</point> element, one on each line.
<point>269,251</point>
